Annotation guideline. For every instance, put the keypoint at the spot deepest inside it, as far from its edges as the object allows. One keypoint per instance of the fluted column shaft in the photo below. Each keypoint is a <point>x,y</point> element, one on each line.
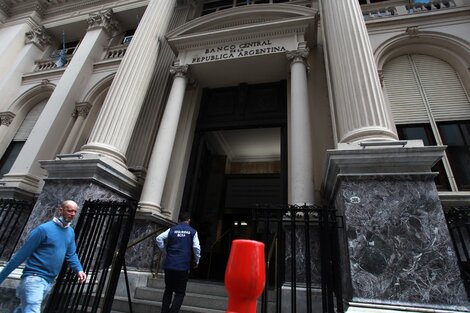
<point>118,116</point>
<point>359,105</point>
<point>152,192</point>
<point>301,187</point>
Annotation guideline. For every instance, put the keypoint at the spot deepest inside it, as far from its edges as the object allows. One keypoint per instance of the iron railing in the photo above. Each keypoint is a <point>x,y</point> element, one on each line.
<point>458,222</point>
<point>13,218</point>
<point>102,234</point>
<point>304,245</point>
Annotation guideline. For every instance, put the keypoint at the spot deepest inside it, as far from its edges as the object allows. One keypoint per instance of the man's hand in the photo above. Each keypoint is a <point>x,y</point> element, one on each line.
<point>81,277</point>
<point>195,265</point>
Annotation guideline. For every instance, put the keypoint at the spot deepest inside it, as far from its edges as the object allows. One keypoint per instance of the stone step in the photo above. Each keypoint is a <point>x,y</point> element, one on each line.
<point>192,299</point>
<point>194,286</point>
<point>121,305</point>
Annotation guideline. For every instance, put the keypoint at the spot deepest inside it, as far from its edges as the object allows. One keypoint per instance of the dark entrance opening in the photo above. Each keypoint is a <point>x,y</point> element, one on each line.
<point>238,160</point>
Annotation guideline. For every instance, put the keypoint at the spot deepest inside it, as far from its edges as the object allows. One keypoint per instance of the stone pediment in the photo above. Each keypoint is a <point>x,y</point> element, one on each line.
<point>241,23</point>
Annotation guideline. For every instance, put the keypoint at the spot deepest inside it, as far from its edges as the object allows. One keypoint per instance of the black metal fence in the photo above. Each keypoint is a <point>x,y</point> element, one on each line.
<point>13,218</point>
<point>302,258</point>
<point>458,222</point>
<point>102,234</point>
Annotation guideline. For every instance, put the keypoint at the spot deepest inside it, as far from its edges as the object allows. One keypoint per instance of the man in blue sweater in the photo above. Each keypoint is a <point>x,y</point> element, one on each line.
<point>182,248</point>
<point>44,252</point>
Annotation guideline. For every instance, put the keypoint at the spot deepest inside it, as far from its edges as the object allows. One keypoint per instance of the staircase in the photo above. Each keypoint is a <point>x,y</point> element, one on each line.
<point>207,297</point>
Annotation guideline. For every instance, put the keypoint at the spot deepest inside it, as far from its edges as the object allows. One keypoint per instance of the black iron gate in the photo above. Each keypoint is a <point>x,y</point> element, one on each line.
<point>13,218</point>
<point>102,234</point>
<point>302,256</point>
<point>458,222</point>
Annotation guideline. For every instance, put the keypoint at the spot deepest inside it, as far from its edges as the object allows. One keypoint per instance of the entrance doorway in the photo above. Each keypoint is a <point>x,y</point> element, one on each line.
<point>238,161</point>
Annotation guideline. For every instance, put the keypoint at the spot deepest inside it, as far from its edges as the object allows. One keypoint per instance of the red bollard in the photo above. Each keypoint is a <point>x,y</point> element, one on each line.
<point>245,275</point>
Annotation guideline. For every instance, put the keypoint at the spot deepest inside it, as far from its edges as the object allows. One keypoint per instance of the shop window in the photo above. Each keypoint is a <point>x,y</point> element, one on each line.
<point>424,132</point>
<point>22,134</point>
<point>456,136</point>
<point>10,156</point>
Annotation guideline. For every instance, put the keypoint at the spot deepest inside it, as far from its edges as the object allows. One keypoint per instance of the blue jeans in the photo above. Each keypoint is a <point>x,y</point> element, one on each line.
<point>31,291</point>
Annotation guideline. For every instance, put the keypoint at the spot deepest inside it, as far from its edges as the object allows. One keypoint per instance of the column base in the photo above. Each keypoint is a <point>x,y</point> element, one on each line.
<point>92,167</point>
<point>20,186</point>
<point>151,210</point>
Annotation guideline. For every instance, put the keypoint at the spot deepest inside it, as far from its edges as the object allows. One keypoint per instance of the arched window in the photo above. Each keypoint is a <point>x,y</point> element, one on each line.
<point>13,150</point>
<point>429,102</point>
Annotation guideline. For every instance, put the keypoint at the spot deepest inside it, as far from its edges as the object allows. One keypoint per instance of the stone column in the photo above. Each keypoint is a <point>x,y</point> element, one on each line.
<point>121,107</point>
<point>37,40</point>
<point>150,200</point>
<point>12,40</point>
<point>81,112</point>
<point>43,142</point>
<point>301,187</point>
<point>360,109</point>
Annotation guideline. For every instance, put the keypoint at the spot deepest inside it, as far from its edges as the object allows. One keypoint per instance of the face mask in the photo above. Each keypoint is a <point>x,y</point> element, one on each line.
<point>62,220</point>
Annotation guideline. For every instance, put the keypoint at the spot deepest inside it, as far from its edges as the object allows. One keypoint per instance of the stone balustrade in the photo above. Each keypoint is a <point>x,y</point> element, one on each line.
<point>47,64</point>
<point>115,52</point>
<point>376,11</point>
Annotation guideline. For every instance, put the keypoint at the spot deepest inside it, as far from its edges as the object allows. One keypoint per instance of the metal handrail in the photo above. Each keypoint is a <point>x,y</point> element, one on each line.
<point>154,273</point>
<point>272,248</point>
<point>212,248</point>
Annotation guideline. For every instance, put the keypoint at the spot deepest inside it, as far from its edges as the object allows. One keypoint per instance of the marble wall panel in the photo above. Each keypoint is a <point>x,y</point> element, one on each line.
<point>398,243</point>
<point>298,252</point>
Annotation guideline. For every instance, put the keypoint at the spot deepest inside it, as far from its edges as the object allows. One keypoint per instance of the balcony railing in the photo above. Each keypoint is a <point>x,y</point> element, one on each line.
<point>115,52</point>
<point>388,9</point>
<point>48,64</point>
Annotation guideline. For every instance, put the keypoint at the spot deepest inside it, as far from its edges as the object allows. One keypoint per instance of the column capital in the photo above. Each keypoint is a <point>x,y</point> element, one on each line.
<point>6,118</point>
<point>39,36</point>
<point>299,55</point>
<point>179,70</point>
<point>82,109</point>
<point>103,19</point>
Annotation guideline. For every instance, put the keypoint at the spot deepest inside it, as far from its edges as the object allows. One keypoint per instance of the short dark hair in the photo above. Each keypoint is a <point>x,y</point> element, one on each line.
<point>184,216</point>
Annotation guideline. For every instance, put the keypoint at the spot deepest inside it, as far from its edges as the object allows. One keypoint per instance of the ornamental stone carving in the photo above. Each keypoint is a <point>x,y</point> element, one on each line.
<point>104,20</point>
<point>82,109</point>
<point>6,118</point>
<point>299,55</point>
<point>179,70</point>
<point>412,31</point>
<point>40,37</point>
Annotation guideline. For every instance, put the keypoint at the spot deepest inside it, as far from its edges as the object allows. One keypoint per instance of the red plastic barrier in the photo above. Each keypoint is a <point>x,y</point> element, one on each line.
<point>245,275</point>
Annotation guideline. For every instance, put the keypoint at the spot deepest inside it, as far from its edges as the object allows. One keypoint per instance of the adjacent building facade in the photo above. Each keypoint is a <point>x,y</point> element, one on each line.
<point>215,106</point>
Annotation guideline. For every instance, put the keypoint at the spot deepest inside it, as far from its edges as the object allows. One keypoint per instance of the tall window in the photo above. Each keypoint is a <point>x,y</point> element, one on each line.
<point>429,102</point>
<point>13,150</point>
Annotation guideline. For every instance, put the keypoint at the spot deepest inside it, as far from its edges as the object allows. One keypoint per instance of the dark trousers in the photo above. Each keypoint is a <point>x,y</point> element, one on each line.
<point>175,282</point>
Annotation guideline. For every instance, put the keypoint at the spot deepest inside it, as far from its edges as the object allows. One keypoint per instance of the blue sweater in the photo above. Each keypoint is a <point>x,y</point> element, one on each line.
<point>44,251</point>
